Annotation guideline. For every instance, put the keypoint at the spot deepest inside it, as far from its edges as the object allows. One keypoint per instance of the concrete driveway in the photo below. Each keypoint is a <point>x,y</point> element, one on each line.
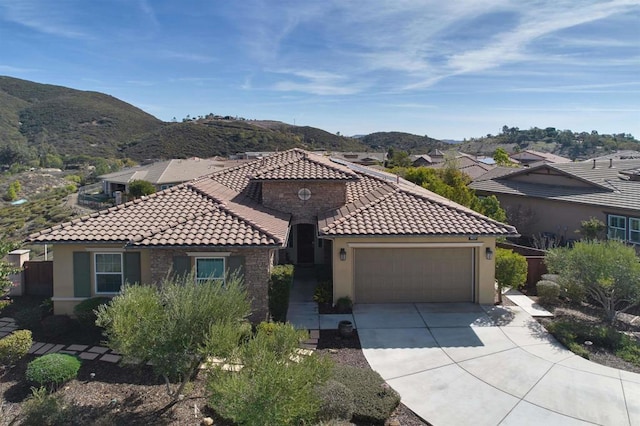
<point>465,364</point>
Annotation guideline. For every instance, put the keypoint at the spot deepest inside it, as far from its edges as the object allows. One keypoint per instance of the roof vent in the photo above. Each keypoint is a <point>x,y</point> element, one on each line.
<point>610,163</point>
<point>594,163</point>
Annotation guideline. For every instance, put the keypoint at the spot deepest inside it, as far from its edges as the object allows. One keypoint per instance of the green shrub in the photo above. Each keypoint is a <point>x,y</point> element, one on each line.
<point>548,291</point>
<point>29,317</point>
<point>323,292</point>
<point>550,277</point>
<point>374,400</point>
<point>15,346</point>
<point>4,303</point>
<point>56,325</point>
<point>511,270</point>
<point>344,305</point>
<point>85,311</point>
<point>336,401</point>
<point>573,335</point>
<point>43,408</point>
<point>275,387</point>
<point>279,290</point>
<point>52,370</point>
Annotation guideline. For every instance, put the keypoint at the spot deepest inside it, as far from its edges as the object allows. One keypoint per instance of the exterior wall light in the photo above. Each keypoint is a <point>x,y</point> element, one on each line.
<point>343,254</point>
<point>489,253</point>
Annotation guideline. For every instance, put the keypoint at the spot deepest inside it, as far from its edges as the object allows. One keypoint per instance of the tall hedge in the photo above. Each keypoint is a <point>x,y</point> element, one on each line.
<point>279,289</point>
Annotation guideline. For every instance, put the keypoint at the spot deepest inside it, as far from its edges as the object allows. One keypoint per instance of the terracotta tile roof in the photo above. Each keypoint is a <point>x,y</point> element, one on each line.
<point>183,215</point>
<point>223,209</point>
<point>292,164</point>
<point>402,208</point>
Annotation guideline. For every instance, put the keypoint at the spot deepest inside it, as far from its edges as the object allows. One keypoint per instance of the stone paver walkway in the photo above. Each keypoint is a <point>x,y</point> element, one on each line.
<point>100,353</point>
<point>528,305</point>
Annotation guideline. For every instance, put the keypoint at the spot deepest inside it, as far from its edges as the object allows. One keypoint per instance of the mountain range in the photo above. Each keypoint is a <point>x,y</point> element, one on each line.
<point>37,120</point>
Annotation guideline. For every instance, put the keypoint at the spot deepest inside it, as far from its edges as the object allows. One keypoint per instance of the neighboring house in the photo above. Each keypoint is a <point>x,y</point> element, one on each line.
<point>364,158</point>
<point>163,174</point>
<point>386,239</point>
<point>553,199</point>
<point>466,164</point>
<point>625,154</point>
<point>421,160</point>
<point>529,156</point>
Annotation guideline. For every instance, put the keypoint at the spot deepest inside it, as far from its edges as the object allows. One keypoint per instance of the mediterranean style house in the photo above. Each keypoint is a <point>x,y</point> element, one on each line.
<point>385,239</point>
<point>553,199</point>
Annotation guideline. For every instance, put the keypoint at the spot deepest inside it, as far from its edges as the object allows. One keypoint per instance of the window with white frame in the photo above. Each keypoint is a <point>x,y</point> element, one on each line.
<point>617,227</point>
<point>109,272</point>
<point>634,230</point>
<point>209,269</point>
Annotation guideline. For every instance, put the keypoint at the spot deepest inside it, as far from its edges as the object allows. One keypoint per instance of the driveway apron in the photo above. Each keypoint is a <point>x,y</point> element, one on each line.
<point>467,364</point>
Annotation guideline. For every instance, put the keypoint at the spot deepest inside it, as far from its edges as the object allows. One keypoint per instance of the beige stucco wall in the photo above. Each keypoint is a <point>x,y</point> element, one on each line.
<point>63,298</point>
<point>343,271</point>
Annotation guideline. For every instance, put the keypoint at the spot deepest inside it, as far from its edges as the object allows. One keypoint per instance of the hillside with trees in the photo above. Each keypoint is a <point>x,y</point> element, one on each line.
<point>53,126</point>
<point>574,145</point>
<point>412,144</point>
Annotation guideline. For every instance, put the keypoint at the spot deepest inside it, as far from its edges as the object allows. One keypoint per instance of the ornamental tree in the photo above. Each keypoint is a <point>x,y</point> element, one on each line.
<point>607,272</point>
<point>170,325</point>
<point>139,188</point>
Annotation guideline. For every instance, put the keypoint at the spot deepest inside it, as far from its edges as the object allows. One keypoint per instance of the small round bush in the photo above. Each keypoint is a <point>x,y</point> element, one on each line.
<point>550,277</point>
<point>52,370</point>
<point>56,325</point>
<point>374,399</point>
<point>85,310</point>
<point>548,291</point>
<point>15,346</point>
<point>336,401</point>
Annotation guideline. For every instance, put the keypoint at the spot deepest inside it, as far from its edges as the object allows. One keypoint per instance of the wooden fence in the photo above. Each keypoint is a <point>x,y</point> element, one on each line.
<point>38,278</point>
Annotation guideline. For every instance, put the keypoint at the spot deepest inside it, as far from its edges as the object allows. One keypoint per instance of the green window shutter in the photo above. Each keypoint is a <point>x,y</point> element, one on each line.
<point>132,274</point>
<point>81,274</point>
<point>235,264</point>
<point>181,266</point>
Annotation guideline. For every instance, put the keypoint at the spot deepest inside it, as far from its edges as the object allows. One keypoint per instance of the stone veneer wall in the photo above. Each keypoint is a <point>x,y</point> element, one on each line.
<point>257,270</point>
<point>283,196</point>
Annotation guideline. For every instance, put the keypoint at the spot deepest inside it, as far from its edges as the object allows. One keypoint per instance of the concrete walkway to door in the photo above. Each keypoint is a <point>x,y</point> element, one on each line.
<point>465,364</point>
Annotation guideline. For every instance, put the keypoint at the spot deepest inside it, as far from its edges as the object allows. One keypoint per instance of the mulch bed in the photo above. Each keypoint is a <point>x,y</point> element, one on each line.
<point>124,395</point>
<point>347,351</point>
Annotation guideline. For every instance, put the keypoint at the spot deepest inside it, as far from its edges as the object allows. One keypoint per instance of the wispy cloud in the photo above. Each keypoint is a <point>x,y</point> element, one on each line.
<point>16,70</point>
<point>318,83</point>
<point>187,56</point>
<point>36,15</point>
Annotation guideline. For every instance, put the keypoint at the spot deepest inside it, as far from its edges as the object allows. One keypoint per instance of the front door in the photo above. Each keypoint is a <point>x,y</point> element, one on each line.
<point>305,242</point>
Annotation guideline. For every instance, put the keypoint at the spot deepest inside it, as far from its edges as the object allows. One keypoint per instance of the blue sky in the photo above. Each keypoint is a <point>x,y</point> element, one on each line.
<point>447,69</point>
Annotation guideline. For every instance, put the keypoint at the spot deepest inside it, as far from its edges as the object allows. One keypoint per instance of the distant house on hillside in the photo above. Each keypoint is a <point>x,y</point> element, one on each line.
<point>529,156</point>
<point>163,174</point>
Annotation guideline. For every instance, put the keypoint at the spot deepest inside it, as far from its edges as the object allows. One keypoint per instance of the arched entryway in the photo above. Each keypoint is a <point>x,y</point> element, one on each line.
<point>305,242</point>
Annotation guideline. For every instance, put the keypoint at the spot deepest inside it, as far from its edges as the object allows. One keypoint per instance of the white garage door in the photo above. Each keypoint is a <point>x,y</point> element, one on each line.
<point>399,275</point>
